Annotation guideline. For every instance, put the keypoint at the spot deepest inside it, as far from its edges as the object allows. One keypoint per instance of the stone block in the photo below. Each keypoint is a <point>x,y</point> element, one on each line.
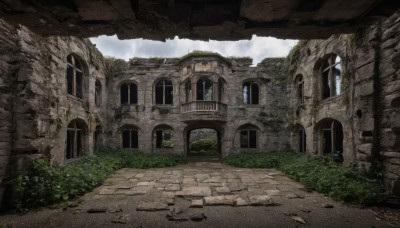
<point>260,200</point>
<point>152,206</point>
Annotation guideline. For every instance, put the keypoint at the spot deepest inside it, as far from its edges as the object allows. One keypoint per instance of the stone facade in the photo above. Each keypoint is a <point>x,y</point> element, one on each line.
<point>361,119</point>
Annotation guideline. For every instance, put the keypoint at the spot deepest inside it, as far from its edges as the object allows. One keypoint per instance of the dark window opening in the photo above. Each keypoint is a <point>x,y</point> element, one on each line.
<point>366,133</point>
<point>300,89</point>
<point>128,93</point>
<point>164,92</point>
<point>96,138</point>
<point>302,141</point>
<point>248,139</point>
<point>130,139</point>
<point>250,93</point>
<point>332,140</point>
<point>97,93</point>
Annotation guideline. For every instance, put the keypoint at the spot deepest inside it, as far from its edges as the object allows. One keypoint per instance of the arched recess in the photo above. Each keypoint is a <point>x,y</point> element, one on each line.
<point>247,137</point>
<point>329,74</point>
<point>128,92</point>
<point>300,138</point>
<point>163,137</point>
<point>97,137</point>
<point>77,139</point>
<point>77,76</point>
<point>204,89</point>
<point>129,136</point>
<point>98,93</point>
<point>298,86</point>
<point>328,137</point>
<point>218,127</point>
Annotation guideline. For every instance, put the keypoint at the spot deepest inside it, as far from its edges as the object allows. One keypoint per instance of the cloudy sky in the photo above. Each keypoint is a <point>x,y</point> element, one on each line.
<point>257,48</point>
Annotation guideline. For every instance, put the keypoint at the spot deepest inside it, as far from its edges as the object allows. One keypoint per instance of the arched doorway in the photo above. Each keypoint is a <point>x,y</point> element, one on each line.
<point>329,135</point>
<point>203,142</point>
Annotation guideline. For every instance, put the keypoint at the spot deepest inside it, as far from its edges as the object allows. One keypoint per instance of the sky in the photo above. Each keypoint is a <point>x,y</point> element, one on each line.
<point>257,48</point>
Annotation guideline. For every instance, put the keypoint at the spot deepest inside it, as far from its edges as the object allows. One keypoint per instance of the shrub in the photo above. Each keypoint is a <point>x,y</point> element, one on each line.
<point>205,144</point>
<point>347,184</point>
<point>43,184</point>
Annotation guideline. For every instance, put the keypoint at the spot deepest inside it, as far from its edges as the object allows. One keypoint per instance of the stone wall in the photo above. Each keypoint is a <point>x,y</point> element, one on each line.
<point>368,106</point>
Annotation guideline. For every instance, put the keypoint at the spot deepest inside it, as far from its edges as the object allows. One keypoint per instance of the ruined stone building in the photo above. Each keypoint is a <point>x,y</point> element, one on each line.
<point>338,97</point>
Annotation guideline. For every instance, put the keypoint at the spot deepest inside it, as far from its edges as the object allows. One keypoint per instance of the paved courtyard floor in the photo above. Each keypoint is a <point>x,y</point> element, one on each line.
<point>200,195</point>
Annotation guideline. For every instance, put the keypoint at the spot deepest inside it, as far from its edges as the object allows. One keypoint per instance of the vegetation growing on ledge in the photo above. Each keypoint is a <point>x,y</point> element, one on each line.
<point>43,184</point>
<point>115,67</point>
<point>347,184</point>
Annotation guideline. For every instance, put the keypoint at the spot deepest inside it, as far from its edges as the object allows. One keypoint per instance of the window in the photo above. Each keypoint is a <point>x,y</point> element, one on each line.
<point>74,76</point>
<point>331,138</point>
<point>130,138</point>
<point>75,131</point>
<point>331,77</point>
<point>188,91</point>
<point>250,93</point>
<point>164,92</point>
<point>300,88</point>
<point>163,138</point>
<point>97,93</point>
<point>204,90</point>
<point>248,138</point>
<point>128,92</point>
<point>302,140</point>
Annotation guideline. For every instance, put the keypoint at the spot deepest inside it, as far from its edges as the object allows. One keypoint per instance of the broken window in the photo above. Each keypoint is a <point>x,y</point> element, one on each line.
<point>300,88</point>
<point>74,140</point>
<point>248,138</point>
<point>331,77</point>
<point>204,90</point>
<point>97,93</point>
<point>163,138</point>
<point>128,93</point>
<point>188,91</point>
<point>74,76</point>
<point>250,93</point>
<point>130,138</point>
<point>164,92</point>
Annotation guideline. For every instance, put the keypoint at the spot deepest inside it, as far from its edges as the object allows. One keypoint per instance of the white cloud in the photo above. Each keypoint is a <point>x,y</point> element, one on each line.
<point>257,48</point>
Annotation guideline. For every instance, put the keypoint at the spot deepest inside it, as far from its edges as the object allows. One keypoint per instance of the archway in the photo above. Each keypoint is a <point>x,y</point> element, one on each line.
<point>329,137</point>
<point>203,142</point>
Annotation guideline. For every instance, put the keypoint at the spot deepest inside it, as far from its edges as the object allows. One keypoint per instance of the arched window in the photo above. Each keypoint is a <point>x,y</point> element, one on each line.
<point>128,92</point>
<point>301,139</point>
<point>97,93</point>
<point>204,90</point>
<point>164,92</point>
<point>330,133</point>
<point>75,133</point>
<point>250,93</point>
<point>299,83</point>
<point>130,138</point>
<point>248,138</point>
<point>74,76</point>
<point>162,137</point>
<point>331,76</point>
<point>188,91</point>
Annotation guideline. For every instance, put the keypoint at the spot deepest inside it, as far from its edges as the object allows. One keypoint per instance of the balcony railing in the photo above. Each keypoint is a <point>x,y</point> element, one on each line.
<point>204,110</point>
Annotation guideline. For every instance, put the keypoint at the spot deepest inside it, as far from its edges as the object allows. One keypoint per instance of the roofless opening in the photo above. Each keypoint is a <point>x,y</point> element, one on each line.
<point>203,142</point>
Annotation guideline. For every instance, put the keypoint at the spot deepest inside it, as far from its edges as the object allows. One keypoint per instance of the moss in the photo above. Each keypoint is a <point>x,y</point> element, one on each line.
<point>293,56</point>
<point>121,112</point>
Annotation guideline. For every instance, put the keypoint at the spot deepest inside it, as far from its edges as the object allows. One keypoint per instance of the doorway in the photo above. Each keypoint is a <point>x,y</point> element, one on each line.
<point>203,142</point>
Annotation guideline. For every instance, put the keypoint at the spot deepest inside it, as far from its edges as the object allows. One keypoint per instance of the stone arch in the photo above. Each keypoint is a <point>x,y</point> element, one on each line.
<point>217,126</point>
<point>328,138</point>
<point>77,138</point>
<point>128,92</point>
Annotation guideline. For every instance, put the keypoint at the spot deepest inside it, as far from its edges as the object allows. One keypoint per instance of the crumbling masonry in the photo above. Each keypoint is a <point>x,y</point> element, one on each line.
<point>340,97</point>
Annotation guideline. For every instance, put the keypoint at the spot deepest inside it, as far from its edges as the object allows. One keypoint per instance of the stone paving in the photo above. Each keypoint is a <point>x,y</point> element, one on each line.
<point>203,184</point>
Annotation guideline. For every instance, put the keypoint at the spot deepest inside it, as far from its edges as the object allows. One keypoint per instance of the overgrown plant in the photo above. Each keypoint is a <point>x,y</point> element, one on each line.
<point>43,184</point>
<point>348,184</point>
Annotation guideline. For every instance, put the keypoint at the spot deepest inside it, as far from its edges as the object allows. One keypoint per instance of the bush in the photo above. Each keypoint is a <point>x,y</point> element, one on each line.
<point>347,184</point>
<point>44,184</point>
<point>206,144</point>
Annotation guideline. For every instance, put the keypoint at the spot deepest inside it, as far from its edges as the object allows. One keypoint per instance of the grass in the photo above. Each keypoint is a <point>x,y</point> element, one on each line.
<point>44,184</point>
<point>347,184</point>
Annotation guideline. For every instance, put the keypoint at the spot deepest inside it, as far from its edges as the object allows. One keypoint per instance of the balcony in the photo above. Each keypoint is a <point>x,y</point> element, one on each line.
<point>204,110</point>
